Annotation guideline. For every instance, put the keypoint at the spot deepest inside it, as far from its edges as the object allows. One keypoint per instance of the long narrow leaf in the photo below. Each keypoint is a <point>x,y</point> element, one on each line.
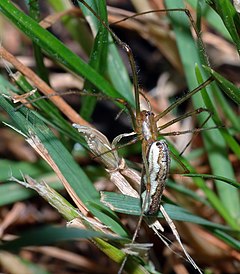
<point>130,205</point>
<point>213,141</point>
<point>38,237</point>
<point>27,123</point>
<point>56,49</point>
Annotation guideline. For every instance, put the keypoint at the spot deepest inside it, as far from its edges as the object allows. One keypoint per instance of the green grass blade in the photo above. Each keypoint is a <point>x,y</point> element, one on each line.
<point>56,49</point>
<point>48,235</point>
<point>229,17</point>
<point>185,191</point>
<point>129,205</point>
<point>75,26</point>
<point>12,192</point>
<point>25,121</point>
<point>226,86</point>
<point>98,59</point>
<point>228,239</point>
<point>212,18</point>
<point>34,12</point>
<point>47,111</point>
<point>228,111</point>
<point>8,168</point>
<point>211,196</point>
<point>228,138</point>
<point>116,70</point>
<point>219,178</point>
<point>213,141</point>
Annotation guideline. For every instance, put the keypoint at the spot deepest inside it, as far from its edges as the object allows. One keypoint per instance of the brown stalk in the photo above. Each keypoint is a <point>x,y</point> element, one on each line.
<point>66,109</point>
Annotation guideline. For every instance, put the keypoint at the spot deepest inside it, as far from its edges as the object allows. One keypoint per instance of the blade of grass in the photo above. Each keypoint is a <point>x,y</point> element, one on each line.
<point>56,49</point>
<point>228,239</point>
<point>70,213</point>
<point>130,205</point>
<point>49,113</point>
<point>219,178</point>
<point>226,86</point>
<point>185,191</point>
<point>211,196</point>
<point>8,168</point>
<point>26,121</point>
<point>228,110</point>
<point>76,28</point>
<point>228,138</point>
<point>34,12</point>
<point>213,141</point>
<point>12,192</point>
<point>48,235</point>
<point>115,69</point>
<point>98,59</point>
<point>230,18</point>
<point>212,18</point>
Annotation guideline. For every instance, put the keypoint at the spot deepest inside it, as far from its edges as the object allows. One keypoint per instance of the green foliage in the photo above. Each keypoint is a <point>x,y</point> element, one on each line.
<point>105,73</point>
